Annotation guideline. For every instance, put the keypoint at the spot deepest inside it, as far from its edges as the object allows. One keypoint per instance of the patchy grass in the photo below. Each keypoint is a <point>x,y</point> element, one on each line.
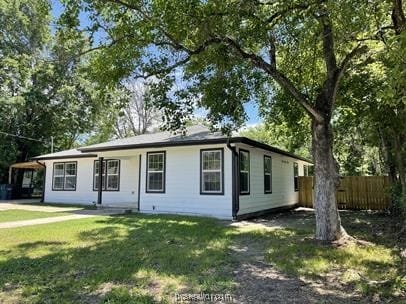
<point>147,259</point>
<point>372,268</point>
<point>21,215</point>
<point>118,259</point>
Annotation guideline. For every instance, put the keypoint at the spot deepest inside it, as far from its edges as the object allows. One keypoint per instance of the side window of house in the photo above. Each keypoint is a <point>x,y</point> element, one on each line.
<point>244,172</point>
<point>156,172</point>
<point>305,170</point>
<point>267,174</point>
<point>110,175</point>
<point>295,176</point>
<point>211,171</point>
<point>64,176</point>
<point>310,170</point>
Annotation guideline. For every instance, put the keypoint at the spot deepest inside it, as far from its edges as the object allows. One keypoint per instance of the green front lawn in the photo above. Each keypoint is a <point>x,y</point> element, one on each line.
<point>146,259</point>
<point>21,215</point>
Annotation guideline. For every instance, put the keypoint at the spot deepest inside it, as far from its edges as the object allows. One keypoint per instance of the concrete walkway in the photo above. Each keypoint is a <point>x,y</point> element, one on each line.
<point>72,213</point>
<point>45,220</point>
<point>14,205</point>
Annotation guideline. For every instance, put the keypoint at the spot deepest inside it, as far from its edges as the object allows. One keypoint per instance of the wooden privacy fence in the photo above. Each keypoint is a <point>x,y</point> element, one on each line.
<point>354,192</point>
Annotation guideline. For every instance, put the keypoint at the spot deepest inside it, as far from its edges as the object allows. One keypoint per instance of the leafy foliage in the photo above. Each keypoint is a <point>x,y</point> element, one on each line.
<point>281,136</point>
<point>45,90</point>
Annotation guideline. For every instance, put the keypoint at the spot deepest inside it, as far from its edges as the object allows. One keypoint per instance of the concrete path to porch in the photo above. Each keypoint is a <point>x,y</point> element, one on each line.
<point>72,213</point>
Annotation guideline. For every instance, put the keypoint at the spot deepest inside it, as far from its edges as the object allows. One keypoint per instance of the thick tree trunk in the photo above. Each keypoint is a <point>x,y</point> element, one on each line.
<point>328,223</point>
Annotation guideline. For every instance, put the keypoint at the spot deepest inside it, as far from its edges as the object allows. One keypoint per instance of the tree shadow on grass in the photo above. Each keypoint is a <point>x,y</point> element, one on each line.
<point>147,259</point>
<point>371,226</point>
<point>328,274</point>
<point>130,259</point>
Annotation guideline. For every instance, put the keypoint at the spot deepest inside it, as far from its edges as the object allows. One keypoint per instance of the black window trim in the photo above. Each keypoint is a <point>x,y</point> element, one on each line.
<point>249,170</point>
<point>270,157</point>
<point>202,192</point>
<point>295,185</point>
<point>105,169</point>
<point>164,173</point>
<point>64,164</point>
<point>305,170</point>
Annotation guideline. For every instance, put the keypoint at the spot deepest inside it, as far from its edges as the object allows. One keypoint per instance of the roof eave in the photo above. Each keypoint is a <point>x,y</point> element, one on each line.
<point>157,145</point>
<point>64,157</point>
<point>257,144</point>
<point>224,140</point>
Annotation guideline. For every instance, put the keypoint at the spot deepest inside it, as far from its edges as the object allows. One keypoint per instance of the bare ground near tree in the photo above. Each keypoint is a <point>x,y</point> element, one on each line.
<point>259,281</point>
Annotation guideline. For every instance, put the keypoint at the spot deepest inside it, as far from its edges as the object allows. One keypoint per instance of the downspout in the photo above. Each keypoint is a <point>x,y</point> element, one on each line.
<point>235,192</point>
<point>44,180</point>
<point>100,182</point>
<point>139,182</point>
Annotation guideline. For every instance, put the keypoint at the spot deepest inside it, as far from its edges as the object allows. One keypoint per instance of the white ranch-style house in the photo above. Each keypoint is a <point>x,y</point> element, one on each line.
<point>199,173</point>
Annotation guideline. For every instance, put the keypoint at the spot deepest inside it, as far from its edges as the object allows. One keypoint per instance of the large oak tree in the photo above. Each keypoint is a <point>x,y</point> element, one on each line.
<point>220,54</point>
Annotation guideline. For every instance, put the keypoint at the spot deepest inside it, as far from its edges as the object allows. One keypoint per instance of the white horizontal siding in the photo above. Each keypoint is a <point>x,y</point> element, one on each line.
<point>84,194</point>
<point>283,193</point>
<point>182,191</point>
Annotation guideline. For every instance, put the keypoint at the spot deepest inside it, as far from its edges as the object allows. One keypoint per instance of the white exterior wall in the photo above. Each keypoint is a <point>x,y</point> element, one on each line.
<point>182,178</point>
<point>182,183</point>
<point>182,191</point>
<point>283,193</point>
<point>84,194</point>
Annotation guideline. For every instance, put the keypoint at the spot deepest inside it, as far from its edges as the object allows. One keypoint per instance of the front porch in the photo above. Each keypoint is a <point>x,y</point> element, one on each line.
<point>119,184</point>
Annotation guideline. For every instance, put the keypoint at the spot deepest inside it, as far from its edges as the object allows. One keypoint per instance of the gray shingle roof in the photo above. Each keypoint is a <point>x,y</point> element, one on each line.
<point>193,133</point>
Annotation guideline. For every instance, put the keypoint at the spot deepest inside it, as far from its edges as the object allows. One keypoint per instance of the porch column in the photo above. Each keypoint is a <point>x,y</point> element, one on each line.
<point>100,182</point>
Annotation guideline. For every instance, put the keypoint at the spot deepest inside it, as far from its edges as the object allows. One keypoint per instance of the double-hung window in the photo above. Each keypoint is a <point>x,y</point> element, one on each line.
<point>110,175</point>
<point>244,172</point>
<point>267,174</point>
<point>211,171</point>
<point>64,176</point>
<point>305,170</point>
<point>156,172</point>
<point>295,176</point>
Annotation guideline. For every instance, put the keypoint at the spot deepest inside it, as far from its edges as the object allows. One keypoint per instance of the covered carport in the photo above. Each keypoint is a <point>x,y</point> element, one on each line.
<point>23,180</point>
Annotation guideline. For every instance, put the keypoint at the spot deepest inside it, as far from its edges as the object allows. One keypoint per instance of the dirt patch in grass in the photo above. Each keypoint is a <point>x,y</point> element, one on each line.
<point>279,262</point>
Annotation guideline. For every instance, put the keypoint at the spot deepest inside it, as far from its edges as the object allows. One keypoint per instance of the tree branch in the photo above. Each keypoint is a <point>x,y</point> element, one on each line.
<point>272,51</point>
<point>164,70</point>
<point>328,44</point>
<point>398,17</point>
<point>280,78</point>
<point>283,12</point>
<point>359,49</point>
<point>258,61</point>
<point>104,46</point>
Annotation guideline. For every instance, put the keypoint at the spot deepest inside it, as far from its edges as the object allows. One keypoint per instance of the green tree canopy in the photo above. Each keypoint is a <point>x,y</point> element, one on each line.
<point>45,90</point>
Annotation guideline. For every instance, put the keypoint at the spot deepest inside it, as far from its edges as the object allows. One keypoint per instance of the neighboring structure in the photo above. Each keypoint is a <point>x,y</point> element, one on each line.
<point>200,173</point>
